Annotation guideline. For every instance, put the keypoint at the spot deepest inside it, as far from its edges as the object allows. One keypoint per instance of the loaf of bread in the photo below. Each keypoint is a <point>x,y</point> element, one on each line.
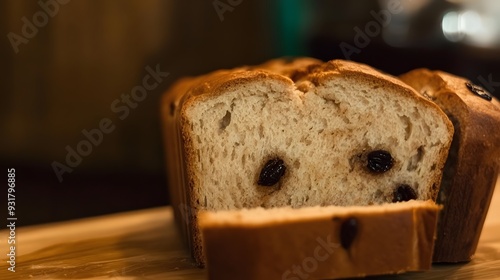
<point>319,242</point>
<point>472,167</point>
<point>298,133</point>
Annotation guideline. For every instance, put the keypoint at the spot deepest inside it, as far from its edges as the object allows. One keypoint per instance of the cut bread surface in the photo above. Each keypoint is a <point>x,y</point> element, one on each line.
<point>256,217</point>
<point>343,133</point>
<point>319,242</point>
<point>322,128</point>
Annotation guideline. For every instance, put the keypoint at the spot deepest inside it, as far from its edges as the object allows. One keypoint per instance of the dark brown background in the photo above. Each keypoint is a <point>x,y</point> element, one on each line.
<point>91,52</point>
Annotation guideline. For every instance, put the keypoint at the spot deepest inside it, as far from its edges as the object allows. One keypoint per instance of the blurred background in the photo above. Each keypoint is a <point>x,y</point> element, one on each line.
<point>67,66</point>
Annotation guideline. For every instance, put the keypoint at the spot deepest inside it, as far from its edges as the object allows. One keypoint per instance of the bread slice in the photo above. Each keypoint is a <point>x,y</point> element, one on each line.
<point>299,133</point>
<point>472,167</point>
<point>319,242</point>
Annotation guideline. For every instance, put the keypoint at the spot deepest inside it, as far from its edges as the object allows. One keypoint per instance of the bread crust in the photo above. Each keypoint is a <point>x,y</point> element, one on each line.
<point>472,168</point>
<point>290,244</point>
<point>292,74</point>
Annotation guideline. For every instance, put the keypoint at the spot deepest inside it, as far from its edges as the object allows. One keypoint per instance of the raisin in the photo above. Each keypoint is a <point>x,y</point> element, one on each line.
<point>404,193</point>
<point>379,161</point>
<point>478,91</point>
<point>348,231</point>
<point>272,172</point>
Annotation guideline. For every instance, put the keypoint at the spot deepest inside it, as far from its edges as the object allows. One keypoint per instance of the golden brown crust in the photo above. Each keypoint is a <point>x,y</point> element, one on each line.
<point>169,105</point>
<point>472,167</point>
<point>388,239</point>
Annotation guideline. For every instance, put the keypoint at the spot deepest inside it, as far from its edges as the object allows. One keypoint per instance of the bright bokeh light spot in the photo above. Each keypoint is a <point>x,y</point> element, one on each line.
<point>451,26</point>
<point>470,22</point>
<point>469,26</point>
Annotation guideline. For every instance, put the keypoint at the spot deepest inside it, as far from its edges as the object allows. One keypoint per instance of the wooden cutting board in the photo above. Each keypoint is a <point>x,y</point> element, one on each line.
<point>145,245</point>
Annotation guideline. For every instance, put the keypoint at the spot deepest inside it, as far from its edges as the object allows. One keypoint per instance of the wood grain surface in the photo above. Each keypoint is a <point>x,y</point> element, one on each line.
<point>145,245</point>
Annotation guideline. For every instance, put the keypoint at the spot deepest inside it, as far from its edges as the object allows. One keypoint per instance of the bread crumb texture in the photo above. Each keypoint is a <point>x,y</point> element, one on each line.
<point>322,120</point>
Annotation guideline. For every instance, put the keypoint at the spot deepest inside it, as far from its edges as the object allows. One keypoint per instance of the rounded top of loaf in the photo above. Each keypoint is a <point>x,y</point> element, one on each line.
<point>431,83</point>
<point>290,72</point>
<point>479,115</point>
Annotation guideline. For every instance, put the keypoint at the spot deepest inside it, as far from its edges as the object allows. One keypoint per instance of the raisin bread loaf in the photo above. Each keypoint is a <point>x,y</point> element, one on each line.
<point>319,242</point>
<point>472,167</point>
<point>299,133</point>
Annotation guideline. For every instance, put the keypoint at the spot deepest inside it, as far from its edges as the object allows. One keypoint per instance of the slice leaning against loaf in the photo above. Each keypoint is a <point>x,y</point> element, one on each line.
<point>472,167</point>
<point>299,133</point>
<point>319,242</point>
